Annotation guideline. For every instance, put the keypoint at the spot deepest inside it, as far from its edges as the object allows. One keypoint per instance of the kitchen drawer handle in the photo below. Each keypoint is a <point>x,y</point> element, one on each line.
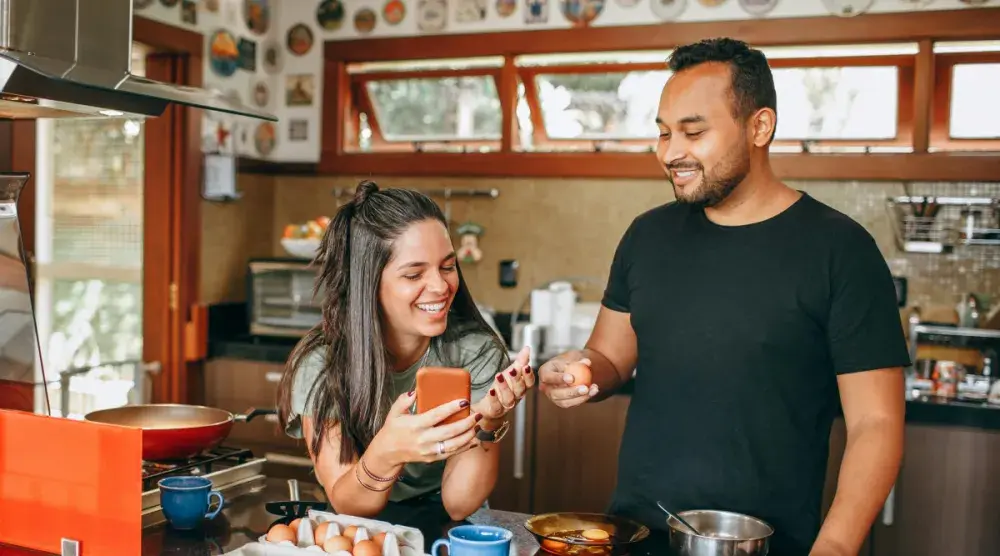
<point>888,509</point>
<point>520,416</point>
<point>273,376</point>
<point>285,459</point>
<point>272,418</point>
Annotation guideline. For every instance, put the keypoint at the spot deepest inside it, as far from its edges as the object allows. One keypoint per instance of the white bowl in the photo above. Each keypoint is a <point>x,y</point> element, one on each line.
<point>301,248</point>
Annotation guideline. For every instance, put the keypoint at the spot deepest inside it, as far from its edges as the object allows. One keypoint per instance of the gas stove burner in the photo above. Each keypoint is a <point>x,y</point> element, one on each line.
<point>218,458</point>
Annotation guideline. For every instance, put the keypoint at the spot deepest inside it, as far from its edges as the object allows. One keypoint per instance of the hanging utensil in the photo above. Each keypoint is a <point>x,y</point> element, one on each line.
<point>678,518</point>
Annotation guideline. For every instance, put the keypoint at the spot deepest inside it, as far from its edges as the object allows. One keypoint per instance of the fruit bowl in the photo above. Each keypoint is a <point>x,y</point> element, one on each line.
<point>301,248</point>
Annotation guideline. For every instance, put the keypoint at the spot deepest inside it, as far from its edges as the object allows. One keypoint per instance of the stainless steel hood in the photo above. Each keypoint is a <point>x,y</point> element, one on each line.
<point>72,58</point>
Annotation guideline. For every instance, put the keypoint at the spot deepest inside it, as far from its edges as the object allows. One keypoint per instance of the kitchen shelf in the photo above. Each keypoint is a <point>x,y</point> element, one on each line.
<point>946,224</point>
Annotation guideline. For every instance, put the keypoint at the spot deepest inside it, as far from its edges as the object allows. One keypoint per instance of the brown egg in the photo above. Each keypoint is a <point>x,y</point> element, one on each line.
<point>350,531</point>
<point>367,548</point>
<point>319,534</point>
<point>280,533</point>
<point>336,543</point>
<point>295,524</point>
<point>379,539</point>
<point>581,373</point>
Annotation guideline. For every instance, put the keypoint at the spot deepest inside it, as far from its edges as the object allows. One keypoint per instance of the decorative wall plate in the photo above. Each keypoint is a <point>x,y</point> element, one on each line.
<point>364,20</point>
<point>223,53</point>
<point>758,7</point>
<point>667,10</point>
<point>265,138</point>
<point>330,14</point>
<point>581,12</point>
<point>848,8</point>
<point>272,58</point>
<point>394,11</point>
<point>432,15</point>
<point>299,39</point>
<point>535,11</point>
<point>257,15</point>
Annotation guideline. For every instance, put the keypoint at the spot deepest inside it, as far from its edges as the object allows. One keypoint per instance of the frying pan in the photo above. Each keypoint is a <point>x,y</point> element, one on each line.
<point>174,431</point>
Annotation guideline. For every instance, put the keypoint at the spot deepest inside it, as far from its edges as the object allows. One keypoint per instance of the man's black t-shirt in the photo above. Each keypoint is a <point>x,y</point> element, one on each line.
<point>742,332</point>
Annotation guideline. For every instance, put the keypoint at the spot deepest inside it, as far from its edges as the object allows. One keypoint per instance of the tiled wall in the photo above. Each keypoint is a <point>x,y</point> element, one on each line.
<point>558,228</point>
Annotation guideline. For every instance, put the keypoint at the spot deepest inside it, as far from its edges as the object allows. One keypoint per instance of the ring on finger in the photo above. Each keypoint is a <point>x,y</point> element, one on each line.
<point>440,447</point>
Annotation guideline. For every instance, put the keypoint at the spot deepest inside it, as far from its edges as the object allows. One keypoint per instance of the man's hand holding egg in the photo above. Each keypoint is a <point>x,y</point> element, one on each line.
<point>567,380</point>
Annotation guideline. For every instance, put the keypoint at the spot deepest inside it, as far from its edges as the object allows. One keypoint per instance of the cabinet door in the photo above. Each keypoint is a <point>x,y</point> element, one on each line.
<point>513,488</point>
<point>237,385</point>
<point>947,496</point>
<point>576,454</point>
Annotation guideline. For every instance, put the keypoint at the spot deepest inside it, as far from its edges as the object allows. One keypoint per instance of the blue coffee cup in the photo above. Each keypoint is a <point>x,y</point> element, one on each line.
<point>185,501</point>
<point>475,540</point>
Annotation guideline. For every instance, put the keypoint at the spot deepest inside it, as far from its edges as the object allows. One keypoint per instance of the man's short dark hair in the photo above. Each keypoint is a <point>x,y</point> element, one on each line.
<point>752,82</point>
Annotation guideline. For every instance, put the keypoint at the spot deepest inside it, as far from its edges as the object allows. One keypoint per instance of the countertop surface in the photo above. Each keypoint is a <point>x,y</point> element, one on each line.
<point>244,520</point>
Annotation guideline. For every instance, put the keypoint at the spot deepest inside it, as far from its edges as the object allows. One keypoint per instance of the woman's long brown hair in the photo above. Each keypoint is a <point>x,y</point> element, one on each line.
<point>355,387</point>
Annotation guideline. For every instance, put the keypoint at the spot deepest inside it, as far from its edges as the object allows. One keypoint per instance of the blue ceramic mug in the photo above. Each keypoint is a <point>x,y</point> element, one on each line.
<point>475,540</point>
<point>185,501</point>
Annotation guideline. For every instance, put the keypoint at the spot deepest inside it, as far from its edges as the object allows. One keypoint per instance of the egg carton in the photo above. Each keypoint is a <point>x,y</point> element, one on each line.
<point>399,540</point>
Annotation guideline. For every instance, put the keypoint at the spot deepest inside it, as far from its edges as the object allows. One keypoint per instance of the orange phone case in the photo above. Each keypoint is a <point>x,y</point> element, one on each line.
<point>440,385</point>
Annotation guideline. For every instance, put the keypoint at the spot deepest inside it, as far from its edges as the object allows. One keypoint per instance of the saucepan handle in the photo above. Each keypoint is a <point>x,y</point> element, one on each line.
<point>254,412</point>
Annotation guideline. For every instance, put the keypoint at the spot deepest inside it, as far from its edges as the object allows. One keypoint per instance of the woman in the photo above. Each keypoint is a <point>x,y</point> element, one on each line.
<point>394,301</point>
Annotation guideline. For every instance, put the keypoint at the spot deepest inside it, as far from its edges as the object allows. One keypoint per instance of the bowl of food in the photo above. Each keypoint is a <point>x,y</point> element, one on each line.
<point>721,534</point>
<point>302,240</point>
<point>565,533</point>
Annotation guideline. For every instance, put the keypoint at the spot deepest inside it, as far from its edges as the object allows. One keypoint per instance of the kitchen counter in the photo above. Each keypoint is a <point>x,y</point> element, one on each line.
<point>244,520</point>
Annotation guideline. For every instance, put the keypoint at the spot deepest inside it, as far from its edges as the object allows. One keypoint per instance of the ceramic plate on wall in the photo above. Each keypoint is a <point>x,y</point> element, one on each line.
<point>265,138</point>
<point>849,8</point>
<point>223,53</point>
<point>581,12</point>
<point>299,39</point>
<point>394,11</point>
<point>667,10</point>
<point>272,59</point>
<point>432,15</point>
<point>330,14</point>
<point>758,7</point>
<point>364,20</point>
<point>257,15</point>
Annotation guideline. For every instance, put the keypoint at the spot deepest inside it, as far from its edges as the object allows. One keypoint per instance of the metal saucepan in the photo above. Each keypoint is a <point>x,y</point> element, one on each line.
<point>174,431</point>
<point>722,534</point>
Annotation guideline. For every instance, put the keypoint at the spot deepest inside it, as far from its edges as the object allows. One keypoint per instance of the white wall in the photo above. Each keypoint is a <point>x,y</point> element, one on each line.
<point>284,14</point>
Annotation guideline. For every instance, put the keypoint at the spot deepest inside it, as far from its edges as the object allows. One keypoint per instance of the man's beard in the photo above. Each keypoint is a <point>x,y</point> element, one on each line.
<point>716,186</point>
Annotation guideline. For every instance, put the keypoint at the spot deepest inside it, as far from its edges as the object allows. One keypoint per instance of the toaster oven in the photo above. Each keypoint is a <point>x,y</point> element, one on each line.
<point>280,299</point>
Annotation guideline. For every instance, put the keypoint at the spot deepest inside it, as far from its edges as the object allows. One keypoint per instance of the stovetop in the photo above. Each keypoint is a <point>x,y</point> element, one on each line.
<point>234,472</point>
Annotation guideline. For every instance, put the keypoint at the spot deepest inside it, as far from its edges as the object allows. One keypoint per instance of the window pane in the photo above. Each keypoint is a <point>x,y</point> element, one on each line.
<point>601,105</point>
<point>974,110</point>
<point>93,322</point>
<point>450,108</point>
<point>837,103</point>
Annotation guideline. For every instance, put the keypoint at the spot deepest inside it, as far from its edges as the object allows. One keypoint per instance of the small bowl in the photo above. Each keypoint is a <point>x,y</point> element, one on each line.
<point>301,248</point>
<point>722,533</point>
<point>550,532</point>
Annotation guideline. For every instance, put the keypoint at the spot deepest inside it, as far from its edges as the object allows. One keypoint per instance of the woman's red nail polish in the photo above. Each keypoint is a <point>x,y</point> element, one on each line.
<point>411,392</point>
<point>493,392</point>
<point>478,417</point>
<point>527,370</point>
<point>500,377</point>
<point>513,372</point>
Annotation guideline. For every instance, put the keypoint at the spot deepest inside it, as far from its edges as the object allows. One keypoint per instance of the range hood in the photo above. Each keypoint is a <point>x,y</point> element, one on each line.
<point>73,58</point>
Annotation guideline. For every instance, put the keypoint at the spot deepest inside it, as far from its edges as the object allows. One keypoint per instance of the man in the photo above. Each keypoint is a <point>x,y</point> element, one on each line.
<point>746,308</point>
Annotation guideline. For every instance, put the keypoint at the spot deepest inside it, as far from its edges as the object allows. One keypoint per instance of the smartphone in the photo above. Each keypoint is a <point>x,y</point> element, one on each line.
<point>440,385</point>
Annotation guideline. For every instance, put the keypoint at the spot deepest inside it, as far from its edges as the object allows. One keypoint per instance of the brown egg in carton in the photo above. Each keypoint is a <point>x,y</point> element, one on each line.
<point>339,535</point>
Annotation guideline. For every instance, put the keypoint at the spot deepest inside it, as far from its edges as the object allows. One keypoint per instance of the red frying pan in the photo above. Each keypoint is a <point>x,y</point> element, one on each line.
<point>174,431</point>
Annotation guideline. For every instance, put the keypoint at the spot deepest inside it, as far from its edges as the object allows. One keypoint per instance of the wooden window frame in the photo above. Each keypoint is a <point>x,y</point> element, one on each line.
<point>922,27</point>
<point>360,101</point>
<point>940,128</point>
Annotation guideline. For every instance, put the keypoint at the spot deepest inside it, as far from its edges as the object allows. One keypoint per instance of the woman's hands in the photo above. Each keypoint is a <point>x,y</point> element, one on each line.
<point>509,386</point>
<point>406,438</point>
